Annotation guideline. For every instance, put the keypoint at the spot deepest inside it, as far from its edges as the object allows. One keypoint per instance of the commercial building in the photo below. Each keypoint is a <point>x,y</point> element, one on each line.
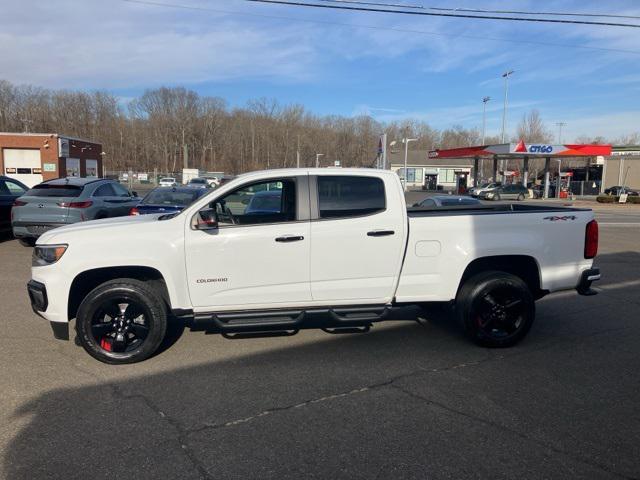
<point>622,167</point>
<point>35,157</point>
<point>431,173</point>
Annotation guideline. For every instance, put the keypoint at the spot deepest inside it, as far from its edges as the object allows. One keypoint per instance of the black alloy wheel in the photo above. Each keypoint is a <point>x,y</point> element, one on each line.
<point>496,308</point>
<point>122,321</point>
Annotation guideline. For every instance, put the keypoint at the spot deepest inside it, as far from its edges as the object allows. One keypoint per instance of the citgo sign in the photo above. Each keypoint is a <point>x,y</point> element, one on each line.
<point>540,148</point>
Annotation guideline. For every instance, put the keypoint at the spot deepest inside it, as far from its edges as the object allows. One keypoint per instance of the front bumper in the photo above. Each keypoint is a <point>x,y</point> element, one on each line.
<point>40,302</point>
<point>586,279</point>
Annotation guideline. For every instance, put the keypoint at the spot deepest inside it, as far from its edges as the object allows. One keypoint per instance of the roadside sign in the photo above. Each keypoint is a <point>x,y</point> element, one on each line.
<point>623,198</point>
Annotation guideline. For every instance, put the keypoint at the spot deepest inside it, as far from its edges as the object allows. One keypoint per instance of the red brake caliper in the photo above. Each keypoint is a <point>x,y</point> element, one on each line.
<point>105,343</point>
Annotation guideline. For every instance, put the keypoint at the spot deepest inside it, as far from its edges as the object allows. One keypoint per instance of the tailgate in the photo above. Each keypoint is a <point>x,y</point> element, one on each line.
<point>41,210</point>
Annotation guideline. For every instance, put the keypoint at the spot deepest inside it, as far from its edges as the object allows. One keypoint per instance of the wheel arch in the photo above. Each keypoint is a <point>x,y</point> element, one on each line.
<point>523,266</point>
<point>86,281</point>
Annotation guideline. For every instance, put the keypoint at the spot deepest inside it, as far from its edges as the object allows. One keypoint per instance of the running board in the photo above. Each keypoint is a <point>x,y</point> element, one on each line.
<point>257,322</point>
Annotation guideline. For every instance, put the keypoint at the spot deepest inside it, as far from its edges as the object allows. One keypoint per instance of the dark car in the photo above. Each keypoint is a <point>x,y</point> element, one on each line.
<point>199,182</point>
<point>447,201</point>
<point>515,191</point>
<point>265,202</point>
<point>10,191</point>
<point>63,201</point>
<point>168,200</point>
<point>619,190</point>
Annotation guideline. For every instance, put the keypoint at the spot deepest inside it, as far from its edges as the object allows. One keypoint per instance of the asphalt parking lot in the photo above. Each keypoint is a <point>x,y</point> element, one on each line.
<point>406,400</point>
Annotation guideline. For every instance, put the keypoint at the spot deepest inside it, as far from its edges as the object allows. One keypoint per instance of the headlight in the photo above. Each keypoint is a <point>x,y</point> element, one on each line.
<point>47,254</point>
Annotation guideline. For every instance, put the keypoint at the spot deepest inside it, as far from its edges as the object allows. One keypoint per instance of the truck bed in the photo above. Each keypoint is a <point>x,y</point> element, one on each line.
<point>444,241</point>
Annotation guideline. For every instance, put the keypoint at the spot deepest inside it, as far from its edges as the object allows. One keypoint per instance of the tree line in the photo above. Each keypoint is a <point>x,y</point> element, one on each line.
<point>169,127</point>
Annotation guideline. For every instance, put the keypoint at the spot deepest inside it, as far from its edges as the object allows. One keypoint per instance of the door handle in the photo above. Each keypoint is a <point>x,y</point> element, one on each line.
<point>289,238</point>
<point>380,233</point>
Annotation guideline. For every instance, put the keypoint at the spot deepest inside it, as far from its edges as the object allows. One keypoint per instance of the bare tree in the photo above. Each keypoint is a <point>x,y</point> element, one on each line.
<point>532,129</point>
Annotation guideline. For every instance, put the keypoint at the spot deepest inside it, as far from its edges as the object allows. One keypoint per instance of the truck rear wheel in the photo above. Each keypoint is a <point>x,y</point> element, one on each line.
<point>495,308</point>
<point>121,321</point>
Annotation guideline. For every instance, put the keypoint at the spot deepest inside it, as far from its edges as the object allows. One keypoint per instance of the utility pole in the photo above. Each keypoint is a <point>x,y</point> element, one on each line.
<point>318,155</point>
<point>560,125</point>
<point>298,153</point>
<point>484,117</point>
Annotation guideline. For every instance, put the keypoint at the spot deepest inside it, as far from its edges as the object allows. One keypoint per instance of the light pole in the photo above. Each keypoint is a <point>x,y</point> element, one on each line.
<point>318,155</point>
<point>560,125</point>
<point>506,76</point>
<point>484,117</point>
<point>406,142</point>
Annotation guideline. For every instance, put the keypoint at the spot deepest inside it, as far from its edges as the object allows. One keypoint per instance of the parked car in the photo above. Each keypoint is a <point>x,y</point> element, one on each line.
<point>341,253</point>
<point>447,201</point>
<point>10,191</point>
<point>199,182</point>
<point>538,190</point>
<point>506,192</point>
<point>618,190</point>
<point>168,200</point>
<point>264,202</point>
<point>167,182</point>
<point>63,201</point>
<point>476,191</point>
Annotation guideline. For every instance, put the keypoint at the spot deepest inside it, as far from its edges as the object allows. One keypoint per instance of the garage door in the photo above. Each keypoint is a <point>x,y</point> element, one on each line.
<point>23,164</point>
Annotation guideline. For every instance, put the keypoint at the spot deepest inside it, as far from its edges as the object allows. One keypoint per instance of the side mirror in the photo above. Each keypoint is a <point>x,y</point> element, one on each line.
<point>205,220</point>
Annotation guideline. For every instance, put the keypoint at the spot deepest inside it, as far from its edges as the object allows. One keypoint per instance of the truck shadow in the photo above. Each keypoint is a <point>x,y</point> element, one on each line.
<point>204,421</point>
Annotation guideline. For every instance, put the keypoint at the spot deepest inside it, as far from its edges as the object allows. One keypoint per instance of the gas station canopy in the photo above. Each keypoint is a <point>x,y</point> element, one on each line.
<point>521,150</point>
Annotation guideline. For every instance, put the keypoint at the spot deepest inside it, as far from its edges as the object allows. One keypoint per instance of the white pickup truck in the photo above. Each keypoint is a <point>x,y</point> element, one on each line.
<point>276,251</point>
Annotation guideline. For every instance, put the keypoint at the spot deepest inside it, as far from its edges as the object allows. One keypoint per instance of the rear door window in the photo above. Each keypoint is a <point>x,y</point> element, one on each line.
<point>120,190</point>
<point>48,190</point>
<point>13,188</point>
<point>350,196</point>
<point>105,190</point>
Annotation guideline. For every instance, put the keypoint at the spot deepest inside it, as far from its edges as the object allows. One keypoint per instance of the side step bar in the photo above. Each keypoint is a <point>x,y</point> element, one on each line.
<point>338,320</point>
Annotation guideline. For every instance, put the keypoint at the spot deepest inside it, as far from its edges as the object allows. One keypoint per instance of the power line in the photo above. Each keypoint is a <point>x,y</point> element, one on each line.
<point>434,14</point>
<point>151,3</point>
<point>476,10</point>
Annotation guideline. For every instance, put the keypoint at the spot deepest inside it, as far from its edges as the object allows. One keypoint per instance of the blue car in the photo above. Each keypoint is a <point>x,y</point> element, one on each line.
<point>168,200</point>
<point>265,202</point>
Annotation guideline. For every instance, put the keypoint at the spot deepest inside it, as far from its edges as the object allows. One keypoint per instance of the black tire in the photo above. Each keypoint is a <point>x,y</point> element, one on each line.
<point>114,333</point>
<point>495,308</point>
<point>496,197</point>
<point>521,197</point>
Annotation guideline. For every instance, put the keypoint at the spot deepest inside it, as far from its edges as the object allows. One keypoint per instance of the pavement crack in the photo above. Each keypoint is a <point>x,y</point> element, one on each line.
<point>515,432</point>
<point>181,432</point>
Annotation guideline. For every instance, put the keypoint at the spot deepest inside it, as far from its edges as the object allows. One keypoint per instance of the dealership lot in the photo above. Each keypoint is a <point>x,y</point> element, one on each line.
<point>407,400</point>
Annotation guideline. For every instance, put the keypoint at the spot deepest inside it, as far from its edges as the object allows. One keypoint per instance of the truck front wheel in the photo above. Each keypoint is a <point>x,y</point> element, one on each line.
<point>121,321</point>
<point>496,308</point>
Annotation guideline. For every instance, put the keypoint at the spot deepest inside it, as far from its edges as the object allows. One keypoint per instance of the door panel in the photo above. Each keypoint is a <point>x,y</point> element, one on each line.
<point>244,266</point>
<point>358,257</point>
<point>259,255</point>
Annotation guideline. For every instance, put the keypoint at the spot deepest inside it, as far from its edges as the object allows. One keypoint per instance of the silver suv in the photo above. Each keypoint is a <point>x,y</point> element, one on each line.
<point>68,200</point>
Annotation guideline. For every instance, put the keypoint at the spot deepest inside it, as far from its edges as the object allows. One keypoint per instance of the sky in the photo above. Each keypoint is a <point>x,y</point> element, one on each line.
<point>392,67</point>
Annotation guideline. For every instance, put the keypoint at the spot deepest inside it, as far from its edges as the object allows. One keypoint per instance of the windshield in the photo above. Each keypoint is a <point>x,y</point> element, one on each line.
<point>171,197</point>
<point>48,190</point>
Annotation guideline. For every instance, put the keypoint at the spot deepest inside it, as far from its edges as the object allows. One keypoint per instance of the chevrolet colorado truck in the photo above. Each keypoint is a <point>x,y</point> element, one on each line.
<point>335,249</point>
